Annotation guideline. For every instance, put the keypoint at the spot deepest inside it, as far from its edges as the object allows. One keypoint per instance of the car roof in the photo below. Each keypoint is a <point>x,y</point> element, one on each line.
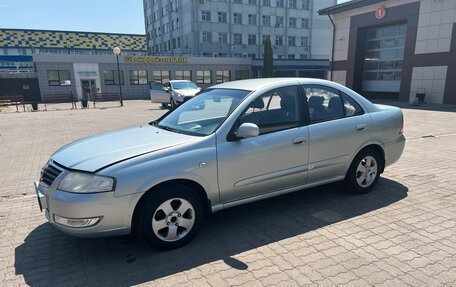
<point>257,84</point>
<point>178,81</point>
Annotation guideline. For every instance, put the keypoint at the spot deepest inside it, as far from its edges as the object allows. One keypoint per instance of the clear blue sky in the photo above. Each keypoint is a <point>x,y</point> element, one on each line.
<point>114,16</point>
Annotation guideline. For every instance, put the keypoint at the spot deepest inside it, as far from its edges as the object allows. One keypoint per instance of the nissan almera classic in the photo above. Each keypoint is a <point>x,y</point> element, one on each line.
<point>235,143</point>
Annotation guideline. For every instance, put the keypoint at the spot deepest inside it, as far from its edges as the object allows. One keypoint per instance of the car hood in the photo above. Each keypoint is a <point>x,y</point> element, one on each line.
<point>188,92</point>
<point>95,152</point>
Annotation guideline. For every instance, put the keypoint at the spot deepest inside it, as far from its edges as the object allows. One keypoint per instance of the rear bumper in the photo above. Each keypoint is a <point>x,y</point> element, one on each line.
<point>393,150</point>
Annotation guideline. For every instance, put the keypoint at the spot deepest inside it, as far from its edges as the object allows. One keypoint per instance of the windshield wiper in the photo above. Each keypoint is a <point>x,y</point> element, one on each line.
<point>167,128</point>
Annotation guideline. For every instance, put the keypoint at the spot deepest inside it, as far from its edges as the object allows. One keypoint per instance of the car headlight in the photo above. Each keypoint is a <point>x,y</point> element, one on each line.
<point>179,95</point>
<point>79,182</point>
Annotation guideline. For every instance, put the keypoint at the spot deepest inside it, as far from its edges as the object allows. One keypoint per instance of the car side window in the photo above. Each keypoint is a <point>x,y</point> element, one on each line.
<point>155,86</point>
<point>274,111</point>
<point>351,107</point>
<point>324,103</point>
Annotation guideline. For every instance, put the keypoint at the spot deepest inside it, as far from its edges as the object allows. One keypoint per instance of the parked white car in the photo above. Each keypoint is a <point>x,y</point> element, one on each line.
<point>235,143</point>
<point>174,92</point>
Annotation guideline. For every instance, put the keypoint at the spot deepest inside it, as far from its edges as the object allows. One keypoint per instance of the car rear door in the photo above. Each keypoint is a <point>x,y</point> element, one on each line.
<point>276,159</point>
<point>157,93</point>
<point>337,128</point>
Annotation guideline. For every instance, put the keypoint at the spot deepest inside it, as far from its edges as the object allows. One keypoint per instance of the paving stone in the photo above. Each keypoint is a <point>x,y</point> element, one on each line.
<point>402,233</point>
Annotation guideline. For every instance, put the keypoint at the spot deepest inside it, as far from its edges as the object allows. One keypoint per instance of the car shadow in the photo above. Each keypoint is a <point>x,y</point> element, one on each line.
<point>49,257</point>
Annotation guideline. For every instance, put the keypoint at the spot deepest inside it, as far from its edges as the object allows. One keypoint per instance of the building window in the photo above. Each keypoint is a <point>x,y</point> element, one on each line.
<point>279,21</point>
<point>280,3</point>
<point>279,41</point>
<point>266,20</point>
<point>237,38</point>
<point>305,23</point>
<point>252,39</point>
<point>237,1</point>
<point>266,2</point>
<point>138,77</point>
<point>111,77</point>
<point>221,17</point>
<point>237,18</point>
<point>291,41</point>
<point>203,77</point>
<point>292,4</point>
<point>161,76</point>
<point>223,38</point>
<point>223,76</point>
<point>304,41</point>
<point>303,56</point>
<point>263,39</point>
<point>252,19</point>
<point>305,4</point>
<point>184,75</point>
<point>207,37</point>
<point>292,22</point>
<point>59,78</point>
<point>241,75</point>
<point>206,15</point>
<point>252,2</point>
<point>291,56</point>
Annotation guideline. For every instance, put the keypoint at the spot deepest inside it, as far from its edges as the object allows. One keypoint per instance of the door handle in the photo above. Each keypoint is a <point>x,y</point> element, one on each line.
<point>361,127</point>
<point>298,140</point>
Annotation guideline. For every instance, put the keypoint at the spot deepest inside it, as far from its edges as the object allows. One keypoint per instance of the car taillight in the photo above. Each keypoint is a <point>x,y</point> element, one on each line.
<point>401,131</point>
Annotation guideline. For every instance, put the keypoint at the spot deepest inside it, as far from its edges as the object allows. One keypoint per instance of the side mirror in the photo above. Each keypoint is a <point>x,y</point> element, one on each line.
<point>248,130</point>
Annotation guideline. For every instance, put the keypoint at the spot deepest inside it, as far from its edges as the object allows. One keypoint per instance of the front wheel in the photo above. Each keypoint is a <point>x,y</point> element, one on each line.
<point>171,217</point>
<point>364,172</point>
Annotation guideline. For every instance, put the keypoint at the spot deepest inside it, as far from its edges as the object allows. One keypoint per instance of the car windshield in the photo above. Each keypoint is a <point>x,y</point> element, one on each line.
<point>184,85</point>
<point>203,114</point>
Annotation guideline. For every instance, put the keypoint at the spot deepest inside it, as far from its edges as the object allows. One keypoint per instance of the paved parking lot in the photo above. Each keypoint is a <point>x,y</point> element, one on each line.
<point>402,233</point>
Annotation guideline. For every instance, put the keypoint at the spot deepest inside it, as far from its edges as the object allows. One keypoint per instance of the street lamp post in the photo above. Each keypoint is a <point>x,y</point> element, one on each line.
<point>116,51</point>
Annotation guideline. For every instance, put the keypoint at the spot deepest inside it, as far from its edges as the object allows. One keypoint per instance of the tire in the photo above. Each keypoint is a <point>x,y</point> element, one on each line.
<point>164,105</point>
<point>170,217</point>
<point>364,172</point>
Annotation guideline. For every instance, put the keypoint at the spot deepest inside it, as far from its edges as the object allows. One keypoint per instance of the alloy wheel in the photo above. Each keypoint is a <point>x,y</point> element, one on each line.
<point>173,219</point>
<point>367,171</point>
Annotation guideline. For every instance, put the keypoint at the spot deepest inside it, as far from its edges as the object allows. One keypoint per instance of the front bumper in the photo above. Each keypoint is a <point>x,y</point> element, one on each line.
<point>115,212</point>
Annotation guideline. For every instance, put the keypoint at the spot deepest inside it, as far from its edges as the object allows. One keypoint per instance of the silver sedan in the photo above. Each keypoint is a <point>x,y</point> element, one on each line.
<point>235,143</point>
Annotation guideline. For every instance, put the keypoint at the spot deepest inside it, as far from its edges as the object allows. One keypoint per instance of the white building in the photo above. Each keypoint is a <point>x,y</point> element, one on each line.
<point>237,28</point>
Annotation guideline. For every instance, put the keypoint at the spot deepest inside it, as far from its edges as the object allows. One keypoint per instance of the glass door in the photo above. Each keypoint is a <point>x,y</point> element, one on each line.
<point>383,58</point>
<point>88,89</point>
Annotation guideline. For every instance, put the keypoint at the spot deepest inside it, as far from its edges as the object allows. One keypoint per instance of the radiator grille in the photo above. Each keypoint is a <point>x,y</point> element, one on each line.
<point>49,174</point>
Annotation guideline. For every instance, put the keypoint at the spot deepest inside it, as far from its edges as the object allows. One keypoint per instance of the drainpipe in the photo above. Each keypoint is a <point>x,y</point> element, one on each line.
<point>332,46</point>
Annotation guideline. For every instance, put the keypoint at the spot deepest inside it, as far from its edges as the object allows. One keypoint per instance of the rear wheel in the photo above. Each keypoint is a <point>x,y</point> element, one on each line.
<point>171,217</point>
<point>364,172</point>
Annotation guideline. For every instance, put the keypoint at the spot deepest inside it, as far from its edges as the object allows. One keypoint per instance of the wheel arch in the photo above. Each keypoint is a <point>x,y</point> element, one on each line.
<point>199,190</point>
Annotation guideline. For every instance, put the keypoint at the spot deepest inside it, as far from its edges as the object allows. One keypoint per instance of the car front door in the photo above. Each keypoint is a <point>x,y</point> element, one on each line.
<point>276,159</point>
<point>157,93</point>
<point>338,127</point>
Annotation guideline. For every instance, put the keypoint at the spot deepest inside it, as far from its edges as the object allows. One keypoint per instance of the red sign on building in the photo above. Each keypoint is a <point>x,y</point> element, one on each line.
<point>380,12</point>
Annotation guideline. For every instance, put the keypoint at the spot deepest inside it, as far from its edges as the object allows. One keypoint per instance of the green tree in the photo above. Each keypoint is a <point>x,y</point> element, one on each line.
<point>268,70</point>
